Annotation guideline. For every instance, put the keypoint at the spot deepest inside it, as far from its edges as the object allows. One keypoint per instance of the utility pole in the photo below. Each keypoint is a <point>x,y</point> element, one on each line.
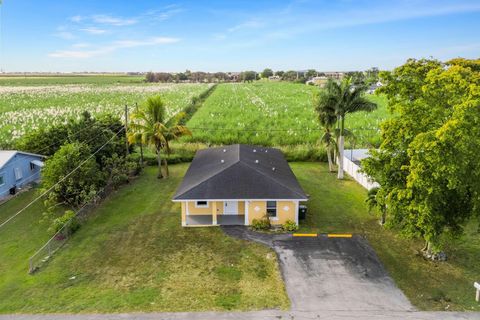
<point>141,143</point>
<point>126,130</point>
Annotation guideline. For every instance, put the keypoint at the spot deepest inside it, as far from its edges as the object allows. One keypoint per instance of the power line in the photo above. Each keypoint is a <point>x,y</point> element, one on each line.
<point>61,180</point>
<point>271,130</point>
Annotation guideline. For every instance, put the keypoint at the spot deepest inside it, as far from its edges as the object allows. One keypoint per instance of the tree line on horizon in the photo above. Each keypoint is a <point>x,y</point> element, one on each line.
<point>358,77</point>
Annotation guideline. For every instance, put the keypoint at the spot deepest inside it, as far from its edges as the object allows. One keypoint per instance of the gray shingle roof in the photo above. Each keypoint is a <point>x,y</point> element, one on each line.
<point>239,172</point>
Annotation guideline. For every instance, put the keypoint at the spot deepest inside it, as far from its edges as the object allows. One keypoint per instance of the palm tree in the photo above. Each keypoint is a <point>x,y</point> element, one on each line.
<point>345,99</point>
<point>151,126</point>
<point>374,201</point>
<point>327,119</point>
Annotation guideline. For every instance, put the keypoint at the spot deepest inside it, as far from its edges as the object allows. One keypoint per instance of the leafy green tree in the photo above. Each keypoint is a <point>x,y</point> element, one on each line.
<point>427,164</point>
<point>344,99</point>
<point>81,185</point>
<point>248,76</point>
<point>310,73</point>
<point>266,73</point>
<point>290,75</point>
<point>151,126</point>
<point>375,201</point>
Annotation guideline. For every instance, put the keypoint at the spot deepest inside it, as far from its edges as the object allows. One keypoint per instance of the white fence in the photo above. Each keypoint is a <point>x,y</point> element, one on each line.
<point>353,170</point>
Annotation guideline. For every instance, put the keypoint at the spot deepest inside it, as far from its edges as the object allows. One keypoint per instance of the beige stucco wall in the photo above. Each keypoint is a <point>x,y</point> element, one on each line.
<point>256,210</point>
<point>192,210</point>
<point>209,210</point>
<point>285,211</point>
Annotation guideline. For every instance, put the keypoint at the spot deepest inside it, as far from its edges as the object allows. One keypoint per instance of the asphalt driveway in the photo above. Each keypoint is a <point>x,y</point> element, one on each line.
<point>331,274</point>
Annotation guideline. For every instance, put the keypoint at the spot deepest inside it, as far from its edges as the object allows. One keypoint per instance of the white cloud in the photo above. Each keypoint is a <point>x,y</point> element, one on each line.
<point>94,30</point>
<point>81,45</point>
<point>113,21</point>
<point>250,24</point>
<point>65,35</point>
<point>114,46</point>
<point>76,18</point>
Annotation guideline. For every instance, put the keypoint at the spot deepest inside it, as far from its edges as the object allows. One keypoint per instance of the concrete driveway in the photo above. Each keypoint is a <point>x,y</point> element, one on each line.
<point>331,274</point>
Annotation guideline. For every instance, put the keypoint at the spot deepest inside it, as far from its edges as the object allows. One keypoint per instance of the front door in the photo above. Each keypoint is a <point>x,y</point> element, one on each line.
<point>230,207</point>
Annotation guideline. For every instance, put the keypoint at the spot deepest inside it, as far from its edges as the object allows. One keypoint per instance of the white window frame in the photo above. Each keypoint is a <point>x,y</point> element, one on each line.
<point>206,205</point>
<point>18,173</point>
<point>276,210</point>
<point>2,175</point>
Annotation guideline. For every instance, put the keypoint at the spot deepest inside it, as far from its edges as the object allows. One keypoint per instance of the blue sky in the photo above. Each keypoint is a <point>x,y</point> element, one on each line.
<point>107,35</point>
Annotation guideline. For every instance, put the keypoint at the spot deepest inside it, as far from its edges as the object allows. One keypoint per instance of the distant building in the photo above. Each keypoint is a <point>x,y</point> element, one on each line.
<point>18,169</point>
<point>274,78</point>
<point>334,75</point>
<point>373,87</point>
<point>318,81</point>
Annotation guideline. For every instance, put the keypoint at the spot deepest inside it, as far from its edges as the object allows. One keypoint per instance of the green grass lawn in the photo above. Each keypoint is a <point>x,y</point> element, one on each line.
<point>338,206</point>
<point>133,255</point>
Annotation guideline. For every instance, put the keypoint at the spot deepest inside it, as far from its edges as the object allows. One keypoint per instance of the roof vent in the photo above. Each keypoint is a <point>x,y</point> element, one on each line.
<point>222,161</point>
<point>273,169</point>
<point>256,161</point>
<point>254,150</point>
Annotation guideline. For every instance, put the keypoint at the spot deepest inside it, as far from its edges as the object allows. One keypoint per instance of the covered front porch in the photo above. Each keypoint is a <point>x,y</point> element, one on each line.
<point>222,220</point>
<point>214,213</point>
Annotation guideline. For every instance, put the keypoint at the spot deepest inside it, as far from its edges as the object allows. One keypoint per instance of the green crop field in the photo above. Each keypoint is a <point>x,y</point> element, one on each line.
<point>273,113</point>
<point>267,113</point>
<point>27,107</point>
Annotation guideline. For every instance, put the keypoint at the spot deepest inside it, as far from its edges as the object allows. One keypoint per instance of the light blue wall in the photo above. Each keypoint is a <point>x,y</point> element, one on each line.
<point>21,161</point>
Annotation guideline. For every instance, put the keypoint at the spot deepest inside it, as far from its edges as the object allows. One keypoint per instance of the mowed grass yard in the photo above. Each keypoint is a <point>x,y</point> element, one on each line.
<point>133,255</point>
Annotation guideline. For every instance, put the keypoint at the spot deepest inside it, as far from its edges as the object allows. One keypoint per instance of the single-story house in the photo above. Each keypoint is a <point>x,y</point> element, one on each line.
<point>17,169</point>
<point>373,87</point>
<point>232,185</point>
<point>352,163</point>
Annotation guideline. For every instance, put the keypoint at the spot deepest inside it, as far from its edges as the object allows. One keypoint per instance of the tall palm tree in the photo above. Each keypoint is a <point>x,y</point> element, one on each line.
<point>327,119</point>
<point>150,125</point>
<point>344,99</point>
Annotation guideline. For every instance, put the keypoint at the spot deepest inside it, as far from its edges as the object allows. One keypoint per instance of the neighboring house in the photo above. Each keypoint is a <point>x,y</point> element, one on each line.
<point>235,184</point>
<point>352,164</point>
<point>373,87</point>
<point>274,78</point>
<point>318,81</point>
<point>17,169</point>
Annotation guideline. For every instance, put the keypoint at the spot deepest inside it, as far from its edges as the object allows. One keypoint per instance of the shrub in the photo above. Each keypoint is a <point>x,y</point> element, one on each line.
<point>290,225</point>
<point>261,224</point>
<point>58,223</point>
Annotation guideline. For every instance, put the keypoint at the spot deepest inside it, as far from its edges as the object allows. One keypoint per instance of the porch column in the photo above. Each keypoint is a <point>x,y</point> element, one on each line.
<point>214,213</point>
<point>184,218</point>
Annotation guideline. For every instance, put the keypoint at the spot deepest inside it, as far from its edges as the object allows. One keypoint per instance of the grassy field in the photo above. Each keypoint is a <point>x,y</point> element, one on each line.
<point>133,255</point>
<point>25,107</point>
<point>266,113</point>
<point>272,113</point>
